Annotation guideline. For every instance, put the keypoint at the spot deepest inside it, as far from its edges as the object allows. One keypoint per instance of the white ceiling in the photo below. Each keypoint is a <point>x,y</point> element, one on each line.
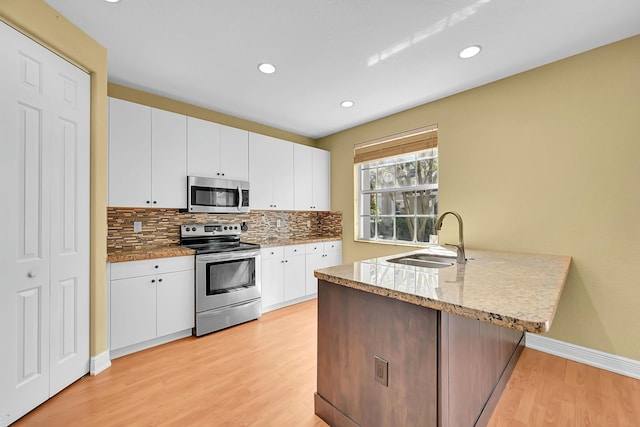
<point>386,56</point>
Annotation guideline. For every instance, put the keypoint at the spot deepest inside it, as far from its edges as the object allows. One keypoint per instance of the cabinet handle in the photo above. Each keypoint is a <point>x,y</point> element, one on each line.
<point>154,202</point>
<point>218,173</point>
<point>159,280</point>
<point>153,280</point>
<point>286,260</point>
<point>156,266</point>
<point>32,274</point>
<point>148,202</point>
<point>223,174</point>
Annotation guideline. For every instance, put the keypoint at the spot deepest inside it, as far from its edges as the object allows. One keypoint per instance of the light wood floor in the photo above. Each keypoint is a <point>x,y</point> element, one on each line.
<point>262,373</point>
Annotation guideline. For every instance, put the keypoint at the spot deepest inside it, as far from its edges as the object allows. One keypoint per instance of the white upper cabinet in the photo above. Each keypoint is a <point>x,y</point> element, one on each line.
<point>129,153</point>
<point>168,159</point>
<point>217,151</point>
<point>311,178</point>
<point>234,153</point>
<point>270,173</point>
<point>147,156</point>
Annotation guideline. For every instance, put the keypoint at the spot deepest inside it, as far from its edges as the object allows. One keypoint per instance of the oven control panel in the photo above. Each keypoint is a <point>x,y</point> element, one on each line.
<point>202,230</point>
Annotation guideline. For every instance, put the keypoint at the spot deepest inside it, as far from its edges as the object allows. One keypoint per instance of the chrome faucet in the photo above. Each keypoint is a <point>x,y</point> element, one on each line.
<point>460,258</point>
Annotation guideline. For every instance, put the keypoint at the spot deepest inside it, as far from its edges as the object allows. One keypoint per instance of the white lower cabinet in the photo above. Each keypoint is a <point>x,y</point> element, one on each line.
<point>287,271</point>
<point>320,255</point>
<point>283,269</point>
<point>150,299</point>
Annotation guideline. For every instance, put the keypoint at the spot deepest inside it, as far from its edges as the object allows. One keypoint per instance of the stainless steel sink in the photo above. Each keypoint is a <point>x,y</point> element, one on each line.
<point>424,260</point>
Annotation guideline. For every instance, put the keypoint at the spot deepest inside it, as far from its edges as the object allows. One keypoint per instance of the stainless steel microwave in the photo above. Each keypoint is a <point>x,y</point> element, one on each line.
<point>216,195</point>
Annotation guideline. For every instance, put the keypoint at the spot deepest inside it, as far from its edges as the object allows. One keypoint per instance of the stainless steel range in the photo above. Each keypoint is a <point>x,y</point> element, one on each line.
<point>227,278</point>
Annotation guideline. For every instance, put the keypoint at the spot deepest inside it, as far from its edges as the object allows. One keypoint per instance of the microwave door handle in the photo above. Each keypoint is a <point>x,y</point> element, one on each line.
<point>239,198</point>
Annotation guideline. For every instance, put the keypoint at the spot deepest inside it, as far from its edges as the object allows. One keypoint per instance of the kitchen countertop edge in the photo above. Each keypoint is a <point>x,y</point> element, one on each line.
<point>534,322</point>
<point>174,250</point>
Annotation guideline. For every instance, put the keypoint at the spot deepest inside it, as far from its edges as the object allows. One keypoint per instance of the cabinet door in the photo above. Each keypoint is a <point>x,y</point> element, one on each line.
<point>281,159</point>
<point>175,302</point>
<point>203,148</point>
<point>133,311</point>
<point>234,153</point>
<point>321,180</point>
<point>261,157</point>
<point>129,154</point>
<point>168,159</point>
<point>333,253</point>
<point>314,261</point>
<point>294,277</point>
<point>303,177</point>
<point>272,276</point>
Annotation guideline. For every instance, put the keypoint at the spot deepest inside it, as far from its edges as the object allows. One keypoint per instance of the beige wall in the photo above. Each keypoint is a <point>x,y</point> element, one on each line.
<point>547,161</point>
<point>145,98</point>
<point>42,23</point>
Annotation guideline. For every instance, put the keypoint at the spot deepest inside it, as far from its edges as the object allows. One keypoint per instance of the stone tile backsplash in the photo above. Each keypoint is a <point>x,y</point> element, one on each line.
<point>162,226</point>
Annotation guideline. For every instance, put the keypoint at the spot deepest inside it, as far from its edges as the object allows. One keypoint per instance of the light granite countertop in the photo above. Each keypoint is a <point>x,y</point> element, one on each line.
<point>171,250</point>
<point>514,290</point>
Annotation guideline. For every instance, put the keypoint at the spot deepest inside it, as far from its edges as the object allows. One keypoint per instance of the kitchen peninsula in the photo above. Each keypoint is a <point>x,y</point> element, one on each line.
<point>406,345</point>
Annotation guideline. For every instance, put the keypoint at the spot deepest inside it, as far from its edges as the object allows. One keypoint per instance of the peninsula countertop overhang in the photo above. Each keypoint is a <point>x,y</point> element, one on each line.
<point>514,290</point>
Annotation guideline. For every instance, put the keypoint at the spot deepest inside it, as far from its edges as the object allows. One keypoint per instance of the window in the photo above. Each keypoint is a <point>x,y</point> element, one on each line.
<point>397,180</point>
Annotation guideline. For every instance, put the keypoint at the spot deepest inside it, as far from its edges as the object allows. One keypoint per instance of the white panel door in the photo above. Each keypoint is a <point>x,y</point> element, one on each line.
<point>234,153</point>
<point>282,169</point>
<point>168,159</point>
<point>175,302</point>
<point>272,276</point>
<point>24,246</point>
<point>69,340</point>
<point>129,154</point>
<point>261,158</point>
<point>203,148</point>
<point>303,177</point>
<point>294,277</point>
<point>37,136</point>
<point>321,180</point>
<point>133,311</point>
<point>314,261</point>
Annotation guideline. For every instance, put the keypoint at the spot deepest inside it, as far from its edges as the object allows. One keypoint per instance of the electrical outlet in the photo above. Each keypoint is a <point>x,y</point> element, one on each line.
<point>308,223</point>
<point>137,226</point>
<point>381,370</point>
<point>278,222</point>
<point>433,238</point>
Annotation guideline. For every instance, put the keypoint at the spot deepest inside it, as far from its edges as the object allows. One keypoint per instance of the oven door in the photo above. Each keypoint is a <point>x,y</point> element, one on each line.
<point>227,278</point>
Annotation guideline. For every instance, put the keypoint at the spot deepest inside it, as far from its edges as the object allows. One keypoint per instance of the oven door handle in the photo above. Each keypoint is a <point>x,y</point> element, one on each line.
<point>239,198</point>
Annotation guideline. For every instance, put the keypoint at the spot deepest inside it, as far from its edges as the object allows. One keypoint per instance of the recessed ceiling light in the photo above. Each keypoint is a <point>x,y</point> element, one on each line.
<point>470,52</point>
<point>267,68</point>
<point>347,104</point>
<point>112,1</point>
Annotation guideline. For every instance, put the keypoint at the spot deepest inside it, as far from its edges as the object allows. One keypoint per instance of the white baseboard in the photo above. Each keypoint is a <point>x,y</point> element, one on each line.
<point>599,359</point>
<point>99,363</point>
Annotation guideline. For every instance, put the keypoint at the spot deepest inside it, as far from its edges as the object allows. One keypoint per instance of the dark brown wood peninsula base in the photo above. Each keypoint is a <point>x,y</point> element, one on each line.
<point>443,369</point>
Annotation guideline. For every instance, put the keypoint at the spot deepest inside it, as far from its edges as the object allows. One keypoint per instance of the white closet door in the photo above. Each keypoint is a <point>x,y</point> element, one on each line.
<point>29,154</point>
<point>24,256</point>
<point>69,339</point>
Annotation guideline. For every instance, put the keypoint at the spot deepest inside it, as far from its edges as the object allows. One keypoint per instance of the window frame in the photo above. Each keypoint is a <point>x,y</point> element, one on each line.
<point>362,200</point>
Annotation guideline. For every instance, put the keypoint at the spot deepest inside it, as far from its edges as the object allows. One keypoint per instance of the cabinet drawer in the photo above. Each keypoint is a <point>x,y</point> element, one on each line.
<point>294,250</point>
<point>314,248</point>
<point>270,253</point>
<point>121,270</point>
<point>333,246</point>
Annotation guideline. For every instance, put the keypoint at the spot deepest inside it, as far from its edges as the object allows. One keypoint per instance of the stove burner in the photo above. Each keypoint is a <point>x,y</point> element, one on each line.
<point>214,238</point>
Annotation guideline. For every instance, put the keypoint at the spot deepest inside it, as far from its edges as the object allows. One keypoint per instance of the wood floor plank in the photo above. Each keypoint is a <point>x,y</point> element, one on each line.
<point>263,373</point>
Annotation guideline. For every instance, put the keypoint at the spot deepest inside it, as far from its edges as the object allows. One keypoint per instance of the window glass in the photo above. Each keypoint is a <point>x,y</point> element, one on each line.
<point>398,198</point>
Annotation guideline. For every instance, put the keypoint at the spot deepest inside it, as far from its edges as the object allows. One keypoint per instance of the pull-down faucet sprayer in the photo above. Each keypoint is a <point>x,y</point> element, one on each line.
<point>460,258</point>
